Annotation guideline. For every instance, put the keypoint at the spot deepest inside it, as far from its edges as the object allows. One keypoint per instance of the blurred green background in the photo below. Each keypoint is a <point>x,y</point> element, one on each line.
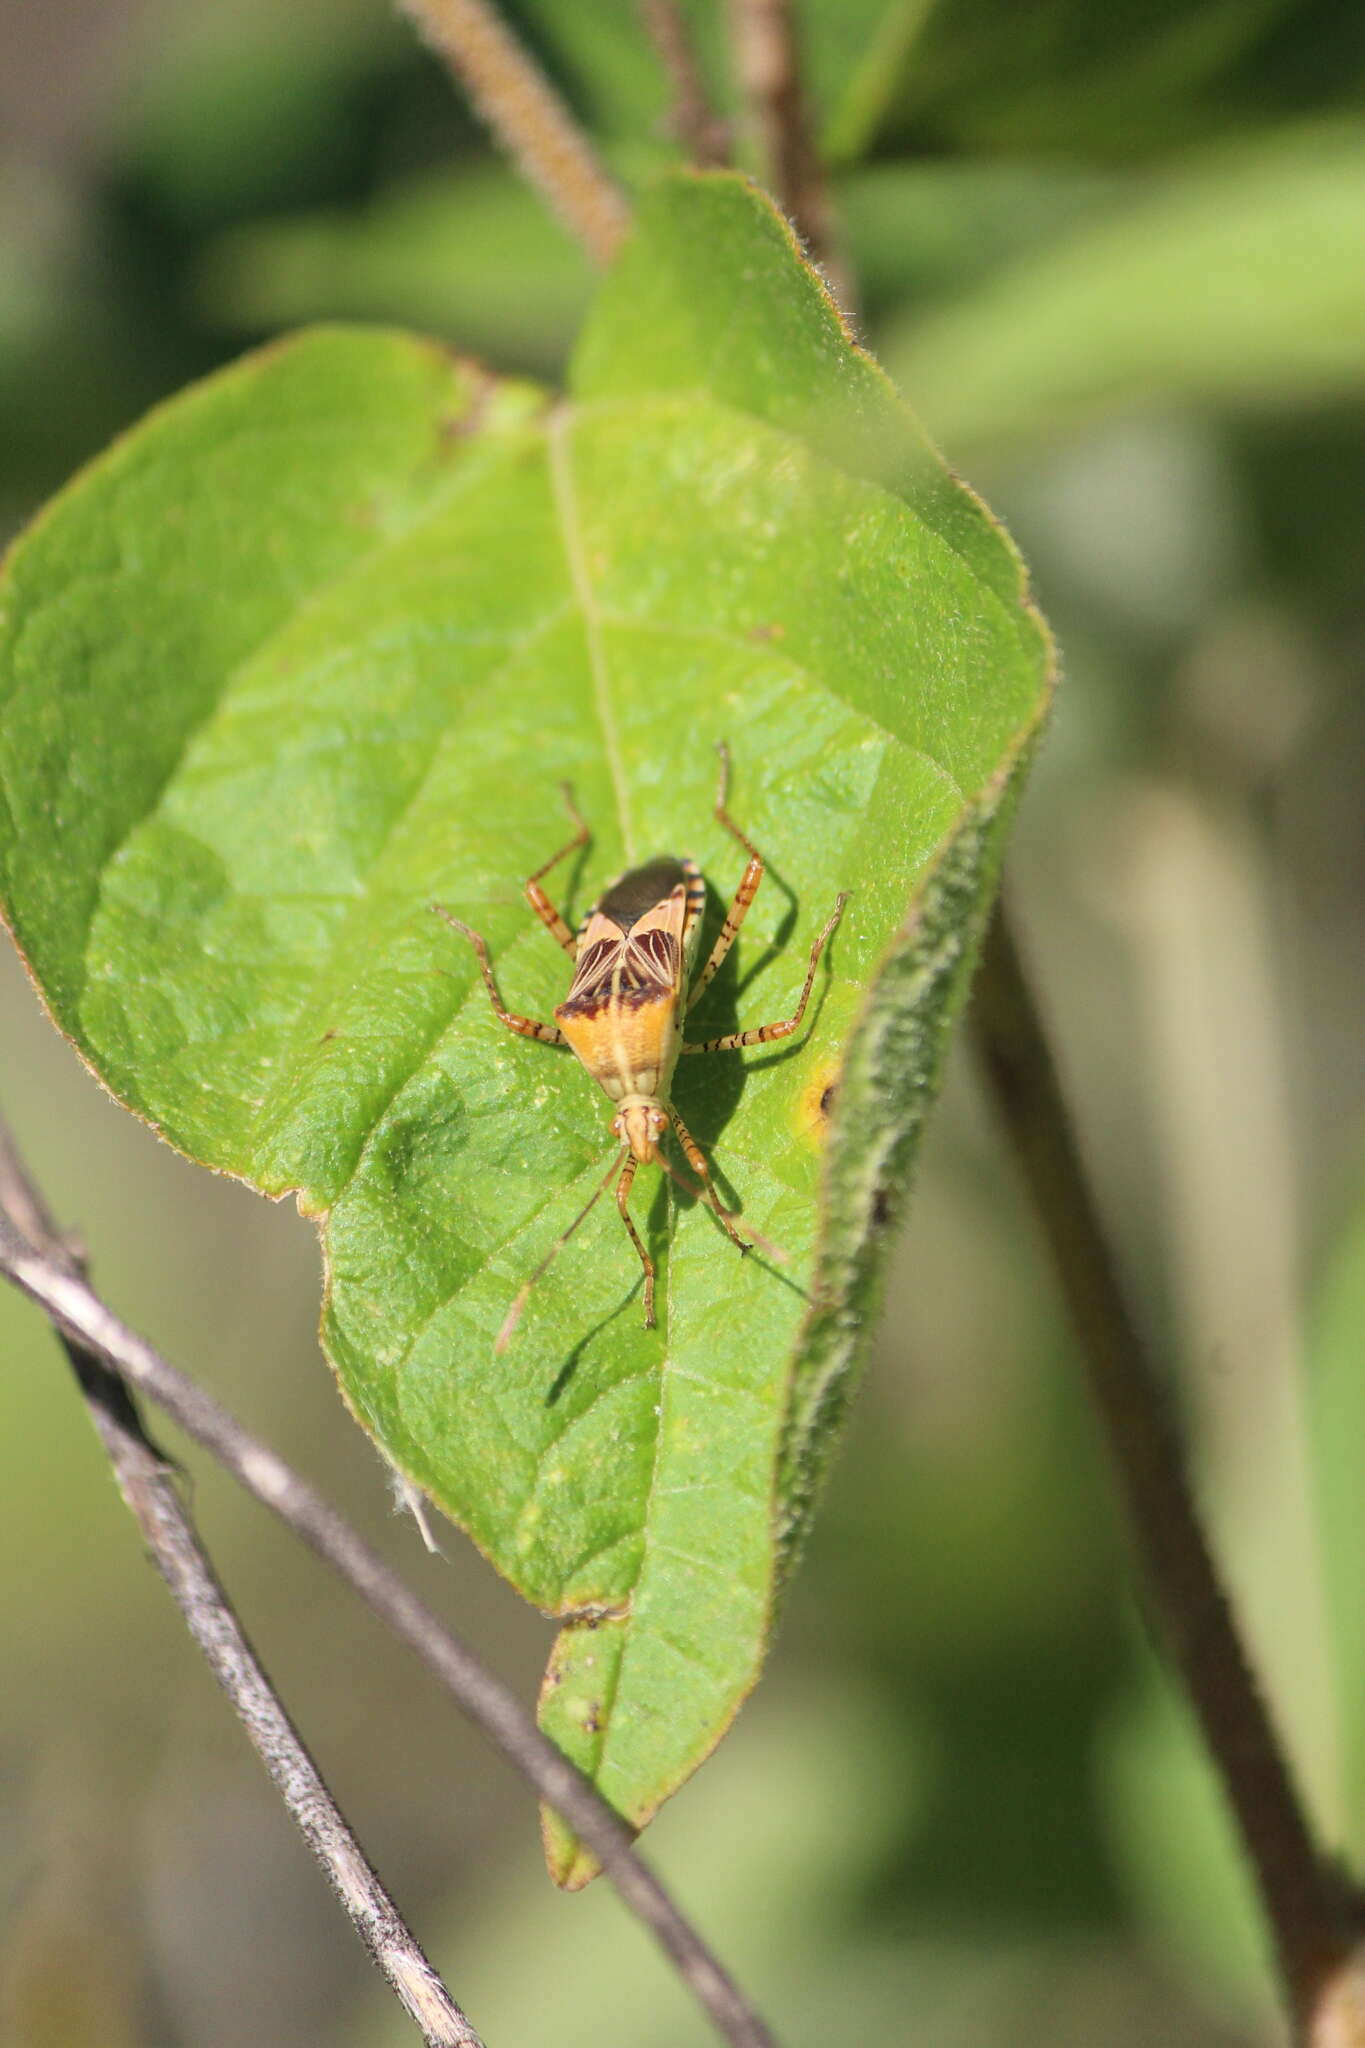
<point>1113,253</point>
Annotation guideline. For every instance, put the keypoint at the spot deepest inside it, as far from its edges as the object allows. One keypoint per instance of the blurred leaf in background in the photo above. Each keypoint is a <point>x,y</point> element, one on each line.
<point>1067,77</point>
<point>472,254</point>
<point>1229,281</point>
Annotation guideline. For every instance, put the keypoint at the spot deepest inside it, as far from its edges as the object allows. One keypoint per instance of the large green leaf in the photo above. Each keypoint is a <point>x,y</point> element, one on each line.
<point>1231,280</point>
<point>1122,81</point>
<point>314,647</point>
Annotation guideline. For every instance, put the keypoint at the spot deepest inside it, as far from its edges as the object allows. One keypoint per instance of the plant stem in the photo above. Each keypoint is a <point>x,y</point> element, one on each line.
<point>767,62</point>
<point>513,96</point>
<point>148,1486</point>
<point>1303,1902</point>
<point>50,1279</point>
<point>691,119</point>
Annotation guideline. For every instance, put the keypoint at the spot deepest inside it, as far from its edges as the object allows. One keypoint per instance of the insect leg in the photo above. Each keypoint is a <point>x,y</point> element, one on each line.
<point>513,1316</point>
<point>535,895</point>
<point>622,1195</point>
<point>696,1159</point>
<point>744,894</point>
<point>722,815</point>
<point>763,1034</point>
<point>526,1027</point>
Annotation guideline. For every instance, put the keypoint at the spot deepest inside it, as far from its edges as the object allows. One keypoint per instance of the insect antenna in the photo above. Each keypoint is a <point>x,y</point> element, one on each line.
<point>755,1239</point>
<point>513,1316</point>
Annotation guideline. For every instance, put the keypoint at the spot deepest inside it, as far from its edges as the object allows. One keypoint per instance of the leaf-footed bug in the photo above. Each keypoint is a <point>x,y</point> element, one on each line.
<point>632,987</point>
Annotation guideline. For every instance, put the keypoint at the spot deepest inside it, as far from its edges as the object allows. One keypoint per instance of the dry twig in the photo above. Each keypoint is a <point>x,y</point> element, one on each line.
<point>691,119</point>
<point>147,1483</point>
<point>50,1279</point>
<point>768,66</point>
<point>1306,1907</point>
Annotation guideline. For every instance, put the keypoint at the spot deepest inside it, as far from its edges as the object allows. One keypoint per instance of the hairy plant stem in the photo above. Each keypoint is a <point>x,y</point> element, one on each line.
<point>512,95</point>
<point>1304,1903</point>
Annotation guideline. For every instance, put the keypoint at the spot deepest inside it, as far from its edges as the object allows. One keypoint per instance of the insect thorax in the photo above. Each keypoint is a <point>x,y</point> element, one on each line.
<point>641,890</point>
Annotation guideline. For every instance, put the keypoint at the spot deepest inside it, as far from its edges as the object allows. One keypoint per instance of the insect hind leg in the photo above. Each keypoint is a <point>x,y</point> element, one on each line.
<point>764,1034</point>
<point>550,917</point>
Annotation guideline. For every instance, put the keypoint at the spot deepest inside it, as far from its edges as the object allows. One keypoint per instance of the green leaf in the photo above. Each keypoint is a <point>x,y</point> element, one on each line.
<point>473,256</point>
<point>1065,76</point>
<point>313,648</point>
<point>1176,1853</point>
<point>916,233</point>
<point>1231,281</point>
<point>238,110</point>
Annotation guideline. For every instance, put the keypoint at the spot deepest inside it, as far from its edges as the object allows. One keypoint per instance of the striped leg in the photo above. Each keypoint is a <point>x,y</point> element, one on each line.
<point>744,894</point>
<point>622,1196</point>
<point>696,1159</point>
<point>535,895</point>
<point>526,1027</point>
<point>764,1034</point>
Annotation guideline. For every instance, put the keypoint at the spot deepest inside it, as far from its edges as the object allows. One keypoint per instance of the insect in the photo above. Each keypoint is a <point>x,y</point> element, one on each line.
<point>632,987</point>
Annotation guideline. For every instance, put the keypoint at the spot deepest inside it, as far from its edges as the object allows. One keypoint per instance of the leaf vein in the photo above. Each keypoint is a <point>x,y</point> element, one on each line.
<point>566,505</point>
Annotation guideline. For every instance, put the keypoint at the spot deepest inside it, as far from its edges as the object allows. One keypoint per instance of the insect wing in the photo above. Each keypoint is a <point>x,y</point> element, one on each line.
<point>621,1012</point>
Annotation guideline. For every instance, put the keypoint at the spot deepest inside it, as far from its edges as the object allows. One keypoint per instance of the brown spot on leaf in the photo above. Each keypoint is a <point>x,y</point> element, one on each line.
<point>815,1105</point>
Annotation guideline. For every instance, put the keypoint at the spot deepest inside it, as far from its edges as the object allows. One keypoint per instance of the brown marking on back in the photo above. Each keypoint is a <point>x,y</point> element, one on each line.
<point>597,1002</point>
<point>621,1013</point>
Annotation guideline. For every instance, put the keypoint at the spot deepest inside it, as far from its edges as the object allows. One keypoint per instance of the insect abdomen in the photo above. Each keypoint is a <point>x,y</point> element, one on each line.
<point>627,1044</point>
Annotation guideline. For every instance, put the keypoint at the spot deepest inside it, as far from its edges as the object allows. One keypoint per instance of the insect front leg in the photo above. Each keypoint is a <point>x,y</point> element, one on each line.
<point>622,1196</point>
<point>536,896</point>
<point>525,1027</point>
<point>764,1034</point>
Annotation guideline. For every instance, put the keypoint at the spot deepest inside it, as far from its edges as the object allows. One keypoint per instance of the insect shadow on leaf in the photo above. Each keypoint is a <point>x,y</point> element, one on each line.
<point>581,1346</point>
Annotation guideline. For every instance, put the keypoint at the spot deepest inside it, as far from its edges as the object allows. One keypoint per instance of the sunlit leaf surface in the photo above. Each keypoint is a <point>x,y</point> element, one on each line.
<point>315,647</point>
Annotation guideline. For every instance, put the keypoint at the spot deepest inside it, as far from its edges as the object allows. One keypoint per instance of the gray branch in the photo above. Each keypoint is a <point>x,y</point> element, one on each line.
<point>1313,1914</point>
<point>48,1276</point>
<point>147,1483</point>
